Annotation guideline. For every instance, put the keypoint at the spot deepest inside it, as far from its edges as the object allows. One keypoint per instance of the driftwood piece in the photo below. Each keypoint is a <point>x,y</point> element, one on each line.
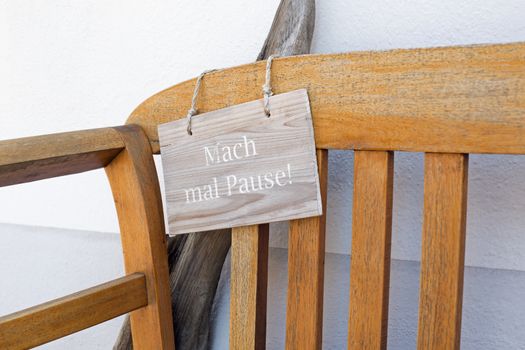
<point>196,259</point>
<point>292,29</point>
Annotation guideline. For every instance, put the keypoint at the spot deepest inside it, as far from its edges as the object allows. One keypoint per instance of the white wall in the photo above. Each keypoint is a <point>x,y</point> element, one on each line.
<point>73,65</point>
<point>40,264</point>
<point>493,306</point>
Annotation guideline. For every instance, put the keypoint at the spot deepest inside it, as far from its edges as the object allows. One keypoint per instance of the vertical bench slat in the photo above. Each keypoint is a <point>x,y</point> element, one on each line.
<point>306,249</point>
<point>443,252</point>
<point>249,280</point>
<point>371,241</point>
<point>134,183</point>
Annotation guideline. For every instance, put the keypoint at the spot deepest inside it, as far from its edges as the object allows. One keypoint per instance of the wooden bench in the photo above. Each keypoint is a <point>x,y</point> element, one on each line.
<point>446,102</point>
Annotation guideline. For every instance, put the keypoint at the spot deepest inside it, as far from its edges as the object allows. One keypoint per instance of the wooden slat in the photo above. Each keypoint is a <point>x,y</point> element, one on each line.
<point>249,280</point>
<point>443,252</point>
<point>450,99</point>
<point>134,183</point>
<point>306,250</point>
<point>370,258</point>
<point>40,157</point>
<point>55,319</point>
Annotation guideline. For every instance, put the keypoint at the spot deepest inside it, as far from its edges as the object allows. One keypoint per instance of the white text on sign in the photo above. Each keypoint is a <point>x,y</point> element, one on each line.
<point>239,167</point>
<point>218,154</point>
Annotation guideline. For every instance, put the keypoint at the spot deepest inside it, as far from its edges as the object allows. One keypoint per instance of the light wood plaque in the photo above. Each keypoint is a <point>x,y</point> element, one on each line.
<point>240,167</point>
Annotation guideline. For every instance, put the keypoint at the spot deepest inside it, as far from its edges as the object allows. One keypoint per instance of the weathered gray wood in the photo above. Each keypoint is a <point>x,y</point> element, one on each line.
<point>193,285</point>
<point>290,34</point>
<point>238,158</point>
<point>292,29</point>
<point>195,262</point>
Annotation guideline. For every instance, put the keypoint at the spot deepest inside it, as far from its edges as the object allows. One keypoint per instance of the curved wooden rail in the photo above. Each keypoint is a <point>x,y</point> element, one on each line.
<point>60,317</point>
<point>467,99</point>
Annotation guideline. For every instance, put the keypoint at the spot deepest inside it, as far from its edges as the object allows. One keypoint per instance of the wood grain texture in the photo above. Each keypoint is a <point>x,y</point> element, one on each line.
<point>306,251</point>
<point>134,183</point>
<point>249,281</point>
<point>443,252</point>
<point>275,157</point>
<point>371,241</point>
<point>55,319</point>
<point>40,157</point>
<point>451,99</point>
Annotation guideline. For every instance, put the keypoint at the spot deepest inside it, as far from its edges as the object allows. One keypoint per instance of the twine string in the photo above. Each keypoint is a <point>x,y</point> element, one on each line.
<point>193,109</point>
<point>267,92</point>
<point>267,87</point>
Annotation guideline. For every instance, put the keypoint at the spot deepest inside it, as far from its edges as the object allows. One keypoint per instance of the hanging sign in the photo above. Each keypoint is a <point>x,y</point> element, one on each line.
<point>237,166</point>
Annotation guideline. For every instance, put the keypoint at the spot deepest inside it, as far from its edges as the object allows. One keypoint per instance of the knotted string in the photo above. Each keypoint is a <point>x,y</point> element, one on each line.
<point>193,109</point>
<point>267,92</point>
<point>267,87</point>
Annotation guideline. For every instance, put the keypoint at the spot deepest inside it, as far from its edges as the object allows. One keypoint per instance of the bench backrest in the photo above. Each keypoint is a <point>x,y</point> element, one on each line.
<point>446,102</point>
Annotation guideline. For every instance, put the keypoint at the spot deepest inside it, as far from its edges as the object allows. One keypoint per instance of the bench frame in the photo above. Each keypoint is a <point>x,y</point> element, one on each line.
<point>126,155</point>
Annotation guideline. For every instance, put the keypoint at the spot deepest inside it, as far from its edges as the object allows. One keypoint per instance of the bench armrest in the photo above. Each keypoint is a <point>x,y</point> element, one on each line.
<point>40,157</point>
<point>125,153</point>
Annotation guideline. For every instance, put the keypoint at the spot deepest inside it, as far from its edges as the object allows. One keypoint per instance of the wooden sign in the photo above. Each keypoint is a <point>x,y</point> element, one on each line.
<point>240,167</point>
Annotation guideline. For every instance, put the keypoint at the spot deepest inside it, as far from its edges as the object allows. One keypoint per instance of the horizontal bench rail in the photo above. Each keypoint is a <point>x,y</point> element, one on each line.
<point>40,157</point>
<point>463,99</point>
<point>55,319</point>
